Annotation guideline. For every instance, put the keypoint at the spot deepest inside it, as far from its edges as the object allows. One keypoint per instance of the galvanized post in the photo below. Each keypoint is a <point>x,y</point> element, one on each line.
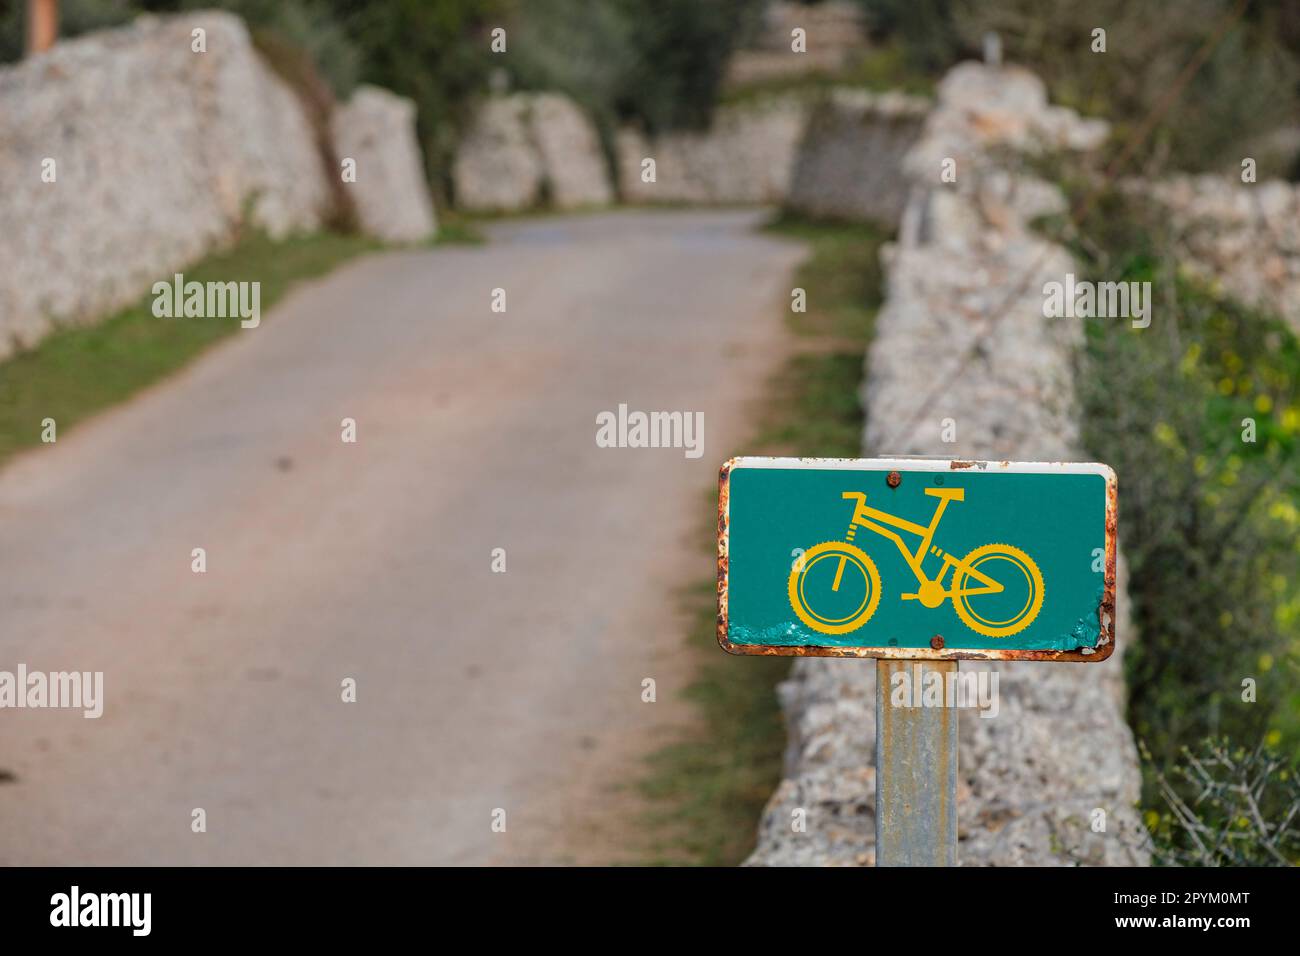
<point>916,770</point>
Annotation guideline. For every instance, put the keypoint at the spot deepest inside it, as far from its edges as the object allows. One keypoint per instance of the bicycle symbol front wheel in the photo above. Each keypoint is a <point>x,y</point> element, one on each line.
<point>835,587</point>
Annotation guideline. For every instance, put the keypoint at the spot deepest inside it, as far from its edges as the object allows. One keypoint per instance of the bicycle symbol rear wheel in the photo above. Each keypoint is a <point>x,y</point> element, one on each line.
<point>1012,610</point>
<point>835,573</point>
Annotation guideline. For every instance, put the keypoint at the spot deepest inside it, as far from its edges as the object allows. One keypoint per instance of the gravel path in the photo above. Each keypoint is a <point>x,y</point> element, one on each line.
<point>476,430</point>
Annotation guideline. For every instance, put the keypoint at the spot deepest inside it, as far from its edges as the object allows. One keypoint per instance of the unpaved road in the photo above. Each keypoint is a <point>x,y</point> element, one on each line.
<point>373,561</point>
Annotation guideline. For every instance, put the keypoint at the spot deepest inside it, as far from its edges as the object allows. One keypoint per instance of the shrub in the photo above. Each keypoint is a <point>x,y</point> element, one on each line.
<point>1208,521</point>
<point>657,62</point>
<point>1246,89</point>
<point>1227,806</point>
<point>434,51</point>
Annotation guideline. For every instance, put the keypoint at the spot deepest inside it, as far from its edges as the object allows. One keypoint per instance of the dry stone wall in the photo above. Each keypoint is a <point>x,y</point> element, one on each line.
<point>574,167</point>
<point>375,128</point>
<point>158,154</point>
<point>527,149</point>
<point>1243,236</point>
<point>834,32</point>
<point>746,156</point>
<point>837,155</point>
<point>967,272</point>
<point>849,162</point>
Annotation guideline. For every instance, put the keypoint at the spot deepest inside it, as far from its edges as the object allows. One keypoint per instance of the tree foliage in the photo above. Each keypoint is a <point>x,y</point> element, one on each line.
<point>1248,87</point>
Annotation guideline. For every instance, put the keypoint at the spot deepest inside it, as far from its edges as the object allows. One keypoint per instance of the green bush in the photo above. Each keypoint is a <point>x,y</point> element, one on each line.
<point>437,53</point>
<point>924,29</point>
<point>308,26</point>
<point>1209,520</point>
<point>657,62</point>
<point>1227,806</point>
<point>1246,89</point>
<point>576,48</point>
<point>682,48</point>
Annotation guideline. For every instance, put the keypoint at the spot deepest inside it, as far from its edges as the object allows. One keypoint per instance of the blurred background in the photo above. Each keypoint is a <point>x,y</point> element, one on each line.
<point>668,65</point>
<point>504,145</point>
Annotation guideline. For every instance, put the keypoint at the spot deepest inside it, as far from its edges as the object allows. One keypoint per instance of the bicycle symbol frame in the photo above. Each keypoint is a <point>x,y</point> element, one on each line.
<point>931,592</point>
<point>970,578</point>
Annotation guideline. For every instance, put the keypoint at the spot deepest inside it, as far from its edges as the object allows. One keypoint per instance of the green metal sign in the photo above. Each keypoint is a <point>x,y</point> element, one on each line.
<point>917,558</point>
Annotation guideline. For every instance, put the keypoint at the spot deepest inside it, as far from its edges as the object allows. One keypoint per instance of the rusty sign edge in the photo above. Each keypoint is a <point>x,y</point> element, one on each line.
<point>1106,637</point>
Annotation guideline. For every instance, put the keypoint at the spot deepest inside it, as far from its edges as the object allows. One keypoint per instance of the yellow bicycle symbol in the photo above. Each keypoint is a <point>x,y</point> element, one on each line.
<point>990,569</point>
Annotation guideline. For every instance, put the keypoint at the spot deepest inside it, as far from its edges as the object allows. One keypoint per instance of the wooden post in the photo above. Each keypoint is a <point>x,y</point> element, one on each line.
<point>42,25</point>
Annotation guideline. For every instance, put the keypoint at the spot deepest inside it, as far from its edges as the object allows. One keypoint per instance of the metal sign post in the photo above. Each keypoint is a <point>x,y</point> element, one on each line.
<point>916,773</point>
<point>919,563</point>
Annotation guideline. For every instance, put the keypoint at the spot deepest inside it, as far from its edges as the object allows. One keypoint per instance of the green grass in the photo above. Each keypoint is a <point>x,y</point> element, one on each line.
<point>842,277</point>
<point>77,371</point>
<point>709,788</point>
<point>455,229</point>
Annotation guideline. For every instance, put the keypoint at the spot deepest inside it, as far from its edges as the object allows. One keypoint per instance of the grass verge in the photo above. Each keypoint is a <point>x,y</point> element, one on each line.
<point>455,229</point>
<point>77,371</point>
<point>708,789</point>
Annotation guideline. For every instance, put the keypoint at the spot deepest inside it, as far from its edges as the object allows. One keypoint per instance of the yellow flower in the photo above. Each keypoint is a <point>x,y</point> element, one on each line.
<point>1265,662</point>
<point>1164,434</point>
<point>1273,738</point>
<point>1263,404</point>
<point>1284,510</point>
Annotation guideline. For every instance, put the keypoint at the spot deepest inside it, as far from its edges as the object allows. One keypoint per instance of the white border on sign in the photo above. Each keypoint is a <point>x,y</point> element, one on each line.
<point>926,463</point>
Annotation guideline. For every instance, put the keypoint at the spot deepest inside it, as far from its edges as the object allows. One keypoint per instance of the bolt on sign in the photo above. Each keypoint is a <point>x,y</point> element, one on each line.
<point>917,558</point>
